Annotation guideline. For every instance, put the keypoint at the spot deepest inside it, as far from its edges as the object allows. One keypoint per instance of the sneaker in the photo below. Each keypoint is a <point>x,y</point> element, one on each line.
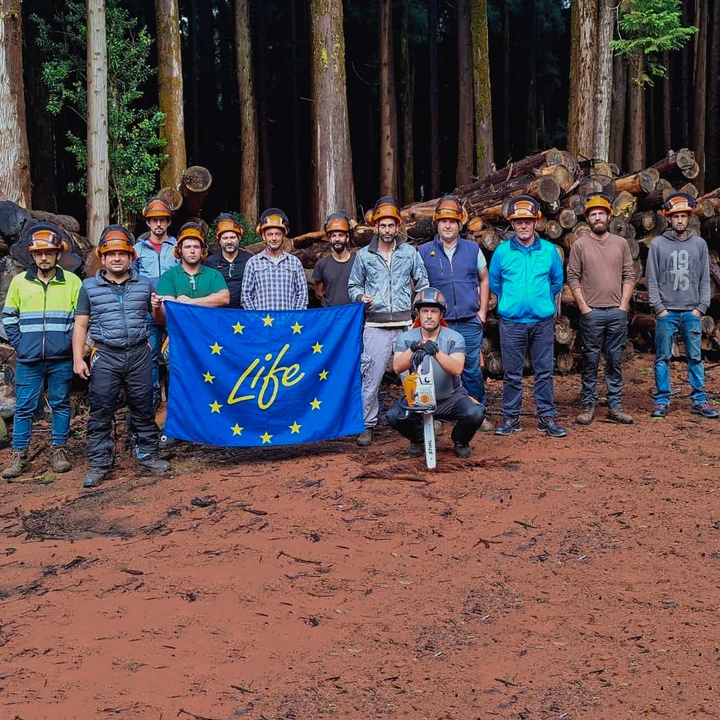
<point>509,426</point>
<point>659,411</point>
<point>706,410</point>
<point>618,415</point>
<point>58,459</point>
<point>586,416</point>
<point>364,439</point>
<point>416,450</point>
<point>462,450</point>
<point>487,426</point>
<point>18,463</point>
<point>154,463</point>
<point>95,476</point>
<point>549,426</point>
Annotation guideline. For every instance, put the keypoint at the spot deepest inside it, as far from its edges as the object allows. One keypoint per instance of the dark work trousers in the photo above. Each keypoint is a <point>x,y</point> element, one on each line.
<point>113,369</point>
<point>603,330</point>
<point>459,408</point>
<point>537,339</point>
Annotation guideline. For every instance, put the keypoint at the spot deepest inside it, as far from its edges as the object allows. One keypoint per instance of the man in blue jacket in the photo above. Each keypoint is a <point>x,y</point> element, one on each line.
<point>526,274</point>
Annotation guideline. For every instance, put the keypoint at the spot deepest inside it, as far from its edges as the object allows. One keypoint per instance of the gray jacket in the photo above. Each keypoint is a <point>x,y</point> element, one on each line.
<point>391,286</point>
<point>678,273</point>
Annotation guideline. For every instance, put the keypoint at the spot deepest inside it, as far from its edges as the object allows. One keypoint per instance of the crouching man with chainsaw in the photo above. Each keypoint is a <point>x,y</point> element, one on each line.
<point>435,357</point>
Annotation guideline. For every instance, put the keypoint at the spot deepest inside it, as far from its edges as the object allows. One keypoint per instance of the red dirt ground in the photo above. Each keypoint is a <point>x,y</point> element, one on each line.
<point>573,578</point>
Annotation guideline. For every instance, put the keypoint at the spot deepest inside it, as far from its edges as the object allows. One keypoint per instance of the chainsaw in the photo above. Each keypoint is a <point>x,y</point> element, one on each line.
<point>419,389</point>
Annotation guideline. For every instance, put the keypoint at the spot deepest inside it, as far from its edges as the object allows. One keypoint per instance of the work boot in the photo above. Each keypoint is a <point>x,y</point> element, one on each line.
<point>462,450</point>
<point>95,476</point>
<point>154,463</point>
<point>487,426</point>
<point>509,426</point>
<point>416,450</point>
<point>58,459</point>
<point>549,426</point>
<point>705,409</point>
<point>18,463</point>
<point>659,411</point>
<point>586,416</point>
<point>364,439</point>
<point>618,415</point>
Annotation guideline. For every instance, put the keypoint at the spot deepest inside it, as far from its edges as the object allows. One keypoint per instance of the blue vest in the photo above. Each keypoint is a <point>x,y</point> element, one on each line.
<point>457,281</point>
<point>120,324</point>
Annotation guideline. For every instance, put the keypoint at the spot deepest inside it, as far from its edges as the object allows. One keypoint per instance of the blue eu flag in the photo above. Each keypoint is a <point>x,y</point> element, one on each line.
<point>249,377</point>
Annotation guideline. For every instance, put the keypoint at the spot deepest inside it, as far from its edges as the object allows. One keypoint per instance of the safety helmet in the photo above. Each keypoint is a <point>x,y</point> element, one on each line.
<point>337,222</point>
<point>225,222</point>
<point>678,202</point>
<point>157,207</point>
<point>598,200</point>
<point>46,237</point>
<point>116,237</point>
<point>386,207</point>
<point>450,208</point>
<point>523,207</point>
<point>190,231</point>
<point>430,297</point>
<point>273,218</point>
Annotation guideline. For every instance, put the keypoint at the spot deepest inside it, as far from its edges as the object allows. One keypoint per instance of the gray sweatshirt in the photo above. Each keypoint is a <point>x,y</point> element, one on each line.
<point>678,273</point>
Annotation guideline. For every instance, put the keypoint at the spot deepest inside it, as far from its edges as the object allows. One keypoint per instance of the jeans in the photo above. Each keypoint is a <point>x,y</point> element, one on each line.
<point>603,330</point>
<point>688,325</point>
<point>156,335</point>
<point>29,380</point>
<point>378,346</point>
<point>472,377</point>
<point>537,339</point>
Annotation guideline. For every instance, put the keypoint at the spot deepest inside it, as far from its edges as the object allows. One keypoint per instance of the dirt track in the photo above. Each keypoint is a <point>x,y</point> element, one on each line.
<point>573,578</point>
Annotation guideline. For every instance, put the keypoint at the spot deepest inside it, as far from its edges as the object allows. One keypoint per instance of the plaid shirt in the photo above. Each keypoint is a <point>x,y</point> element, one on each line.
<point>268,285</point>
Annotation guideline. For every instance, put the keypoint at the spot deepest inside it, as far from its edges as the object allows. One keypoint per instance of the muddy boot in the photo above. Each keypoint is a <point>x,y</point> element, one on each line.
<point>364,439</point>
<point>18,464</point>
<point>58,459</point>
<point>618,415</point>
<point>95,476</point>
<point>155,464</point>
<point>487,426</point>
<point>586,416</point>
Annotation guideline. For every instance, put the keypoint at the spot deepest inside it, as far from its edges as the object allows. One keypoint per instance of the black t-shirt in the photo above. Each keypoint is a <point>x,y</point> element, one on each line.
<point>232,272</point>
<point>334,276</point>
<point>83,305</point>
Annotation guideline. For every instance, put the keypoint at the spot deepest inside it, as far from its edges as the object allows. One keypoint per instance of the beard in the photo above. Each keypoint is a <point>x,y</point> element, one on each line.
<point>338,247</point>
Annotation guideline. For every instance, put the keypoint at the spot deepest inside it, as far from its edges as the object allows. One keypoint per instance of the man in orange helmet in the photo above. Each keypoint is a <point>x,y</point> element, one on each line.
<point>332,272</point>
<point>601,277</point>
<point>230,260</point>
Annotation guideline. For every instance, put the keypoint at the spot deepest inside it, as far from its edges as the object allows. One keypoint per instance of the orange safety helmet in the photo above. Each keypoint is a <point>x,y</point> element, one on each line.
<point>598,200</point>
<point>116,237</point>
<point>449,208</point>
<point>523,207</point>
<point>273,218</point>
<point>386,207</point>
<point>337,222</point>
<point>157,207</point>
<point>226,222</point>
<point>45,237</point>
<point>190,231</point>
<point>679,202</point>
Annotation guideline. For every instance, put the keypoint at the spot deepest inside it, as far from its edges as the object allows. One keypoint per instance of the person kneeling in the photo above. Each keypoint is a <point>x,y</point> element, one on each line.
<point>431,341</point>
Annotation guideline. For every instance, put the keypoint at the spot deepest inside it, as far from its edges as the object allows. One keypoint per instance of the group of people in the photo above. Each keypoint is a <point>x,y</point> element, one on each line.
<point>49,315</point>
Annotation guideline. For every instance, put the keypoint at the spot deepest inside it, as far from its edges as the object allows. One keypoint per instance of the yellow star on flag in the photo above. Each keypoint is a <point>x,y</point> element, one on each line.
<point>315,404</point>
<point>208,377</point>
<point>238,328</point>
<point>266,438</point>
<point>323,375</point>
<point>294,428</point>
<point>296,328</point>
<point>267,322</point>
<point>216,348</point>
<point>215,406</point>
<point>317,347</point>
<point>237,430</point>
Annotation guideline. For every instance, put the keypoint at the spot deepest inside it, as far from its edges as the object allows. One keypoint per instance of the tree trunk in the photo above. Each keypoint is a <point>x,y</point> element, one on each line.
<point>193,116</point>
<point>249,180</point>
<point>701,21</point>
<point>298,215</point>
<point>667,104</point>
<point>583,78</point>
<point>170,91</point>
<point>507,147</point>
<point>388,107</point>
<point>407,103</point>
<point>531,117</point>
<point>604,79</point>
<point>98,200</point>
<point>712,154</point>
<point>14,153</point>
<point>484,152</point>
<point>331,130</point>
<point>685,81</point>
<point>636,117</point>
<point>465,95</point>
<point>617,118</point>
<point>434,100</point>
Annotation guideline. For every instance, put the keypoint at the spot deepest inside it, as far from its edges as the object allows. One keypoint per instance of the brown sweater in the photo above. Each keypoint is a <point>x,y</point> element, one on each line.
<point>600,268</point>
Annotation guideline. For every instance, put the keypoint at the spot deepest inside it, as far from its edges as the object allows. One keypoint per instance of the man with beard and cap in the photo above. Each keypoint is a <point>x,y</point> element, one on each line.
<point>274,279</point>
<point>384,276</point>
<point>332,272</point>
<point>678,280</point>
<point>230,260</point>
<point>38,319</point>
<point>601,277</point>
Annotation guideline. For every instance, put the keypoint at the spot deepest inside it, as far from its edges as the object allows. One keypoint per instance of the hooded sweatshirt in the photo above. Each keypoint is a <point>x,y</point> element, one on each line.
<point>678,273</point>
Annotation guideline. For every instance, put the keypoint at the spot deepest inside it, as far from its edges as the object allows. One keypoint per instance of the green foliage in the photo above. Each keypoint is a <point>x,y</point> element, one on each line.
<point>249,237</point>
<point>647,28</point>
<point>134,146</point>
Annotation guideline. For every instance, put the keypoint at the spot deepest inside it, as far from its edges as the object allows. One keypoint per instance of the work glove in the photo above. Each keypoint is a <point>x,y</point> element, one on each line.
<point>414,345</point>
<point>430,347</point>
<point>418,356</point>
